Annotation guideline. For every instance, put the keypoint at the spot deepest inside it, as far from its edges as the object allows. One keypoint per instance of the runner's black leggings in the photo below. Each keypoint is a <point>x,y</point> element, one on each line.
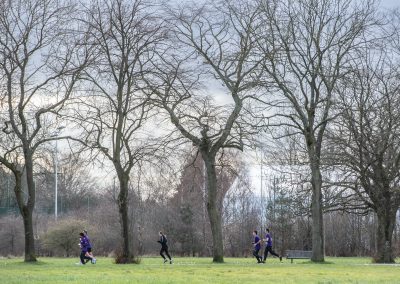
<point>83,257</point>
<point>255,253</point>
<point>267,250</point>
<point>164,249</point>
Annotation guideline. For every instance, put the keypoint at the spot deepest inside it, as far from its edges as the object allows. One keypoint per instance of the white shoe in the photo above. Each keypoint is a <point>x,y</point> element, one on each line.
<point>170,262</point>
<point>79,263</point>
<point>165,260</point>
<point>93,260</point>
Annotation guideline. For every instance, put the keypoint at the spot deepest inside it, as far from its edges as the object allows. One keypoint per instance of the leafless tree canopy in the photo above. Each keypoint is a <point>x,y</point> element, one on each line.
<point>41,59</point>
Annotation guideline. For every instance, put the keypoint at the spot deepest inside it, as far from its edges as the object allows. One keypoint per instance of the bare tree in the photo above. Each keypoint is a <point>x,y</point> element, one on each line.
<point>211,44</point>
<point>309,43</point>
<point>366,139</point>
<point>113,112</point>
<point>41,58</point>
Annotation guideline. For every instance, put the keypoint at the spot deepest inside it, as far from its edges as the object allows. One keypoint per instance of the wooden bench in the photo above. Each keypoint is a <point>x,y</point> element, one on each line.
<point>298,254</point>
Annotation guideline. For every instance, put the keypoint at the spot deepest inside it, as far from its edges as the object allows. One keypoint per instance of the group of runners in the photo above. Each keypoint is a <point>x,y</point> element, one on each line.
<point>87,255</point>
<point>268,246</point>
<point>86,249</point>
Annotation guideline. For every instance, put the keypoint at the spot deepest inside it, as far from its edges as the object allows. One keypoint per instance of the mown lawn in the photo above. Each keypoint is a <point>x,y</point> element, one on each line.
<point>198,270</point>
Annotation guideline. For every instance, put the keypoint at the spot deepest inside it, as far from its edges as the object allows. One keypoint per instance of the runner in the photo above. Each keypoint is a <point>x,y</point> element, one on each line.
<point>89,248</point>
<point>83,243</point>
<point>257,246</point>
<point>164,247</point>
<point>268,248</point>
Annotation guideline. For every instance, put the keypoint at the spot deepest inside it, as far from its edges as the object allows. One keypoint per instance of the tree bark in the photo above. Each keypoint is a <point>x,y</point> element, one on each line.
<point>386,223</point>
<point>127,254</point>
<point>318,242</point>
<point>214,208</point>
<point>29,239</point>
<point>26,208</point>
<point>26,213</point>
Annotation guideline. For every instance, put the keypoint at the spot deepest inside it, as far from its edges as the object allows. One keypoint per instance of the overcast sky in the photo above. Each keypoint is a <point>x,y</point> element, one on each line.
<point>390,3</point>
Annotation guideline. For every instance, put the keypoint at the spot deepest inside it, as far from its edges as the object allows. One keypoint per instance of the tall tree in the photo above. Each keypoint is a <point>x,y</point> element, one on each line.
<point>366,139</point>
<point>210,46</point>
<point>112,114</point>
<point>41,59</point>
<point>310,43</point>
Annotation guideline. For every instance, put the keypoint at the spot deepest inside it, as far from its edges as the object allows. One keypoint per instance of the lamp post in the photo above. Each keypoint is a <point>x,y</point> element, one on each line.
<point>56,172</point>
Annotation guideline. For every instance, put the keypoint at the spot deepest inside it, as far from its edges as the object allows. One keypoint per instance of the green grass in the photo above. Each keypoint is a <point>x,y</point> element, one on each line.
<point>198,270</point>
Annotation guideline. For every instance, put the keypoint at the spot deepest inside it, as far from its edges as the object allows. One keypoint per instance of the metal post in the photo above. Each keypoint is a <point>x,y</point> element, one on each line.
<point>56,172</point>
<point>261,192</point>
<point>204,187</point>
<point>8,192</point>
<point>56,184</point>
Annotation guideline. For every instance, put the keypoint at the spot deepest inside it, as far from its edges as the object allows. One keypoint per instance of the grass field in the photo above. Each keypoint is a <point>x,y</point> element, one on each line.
<point>198,270</point>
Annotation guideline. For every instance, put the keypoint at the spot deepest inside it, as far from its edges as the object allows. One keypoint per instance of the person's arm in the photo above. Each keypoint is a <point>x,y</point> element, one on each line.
<point>82,243</point>
<point>85,242</point>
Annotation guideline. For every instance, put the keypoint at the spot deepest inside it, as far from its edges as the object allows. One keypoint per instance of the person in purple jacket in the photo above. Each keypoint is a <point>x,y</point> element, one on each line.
<point>89,247</point>
<point>268,247</point>
<point>257,246</point>
<point>84,243</point>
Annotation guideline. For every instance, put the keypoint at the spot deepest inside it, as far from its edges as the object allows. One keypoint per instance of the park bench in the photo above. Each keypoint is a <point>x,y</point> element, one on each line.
<point>298,254</point>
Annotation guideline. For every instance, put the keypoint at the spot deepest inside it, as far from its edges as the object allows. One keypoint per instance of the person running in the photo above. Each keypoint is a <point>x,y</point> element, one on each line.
<point>164,247</point>
<point>83,243</point>
<point>89,248</point>
<point>268,248</point>
<point>257,246</point>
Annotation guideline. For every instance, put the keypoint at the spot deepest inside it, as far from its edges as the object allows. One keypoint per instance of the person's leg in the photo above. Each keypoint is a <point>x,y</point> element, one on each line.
<point>88,258</point>
<point>255,253</point>
<point>273,252</point>
<point>167,253</point>
<point>90,254</point>
<point>161,253</point>
<point>265,253</point>
<point>82,257</point>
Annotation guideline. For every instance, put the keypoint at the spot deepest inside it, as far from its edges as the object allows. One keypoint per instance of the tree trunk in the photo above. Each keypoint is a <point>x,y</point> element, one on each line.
<point>26,209</point>
<point>318,244</point>
<point>386,222</point>
<point>26,214</point>
<point>29,239</point>
<point>214,209</point>
<point>127,255</point>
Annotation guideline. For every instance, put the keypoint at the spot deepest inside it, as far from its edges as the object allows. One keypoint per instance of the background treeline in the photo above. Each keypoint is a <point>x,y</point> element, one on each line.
<point>181,213</point>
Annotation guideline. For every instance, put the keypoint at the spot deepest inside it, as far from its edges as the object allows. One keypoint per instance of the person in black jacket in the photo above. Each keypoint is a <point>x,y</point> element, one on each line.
<point>164,247</point>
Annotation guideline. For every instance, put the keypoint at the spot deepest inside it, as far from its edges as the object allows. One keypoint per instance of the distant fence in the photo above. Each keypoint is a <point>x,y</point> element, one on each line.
<point>4,211</point>
<point>8,211</point>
